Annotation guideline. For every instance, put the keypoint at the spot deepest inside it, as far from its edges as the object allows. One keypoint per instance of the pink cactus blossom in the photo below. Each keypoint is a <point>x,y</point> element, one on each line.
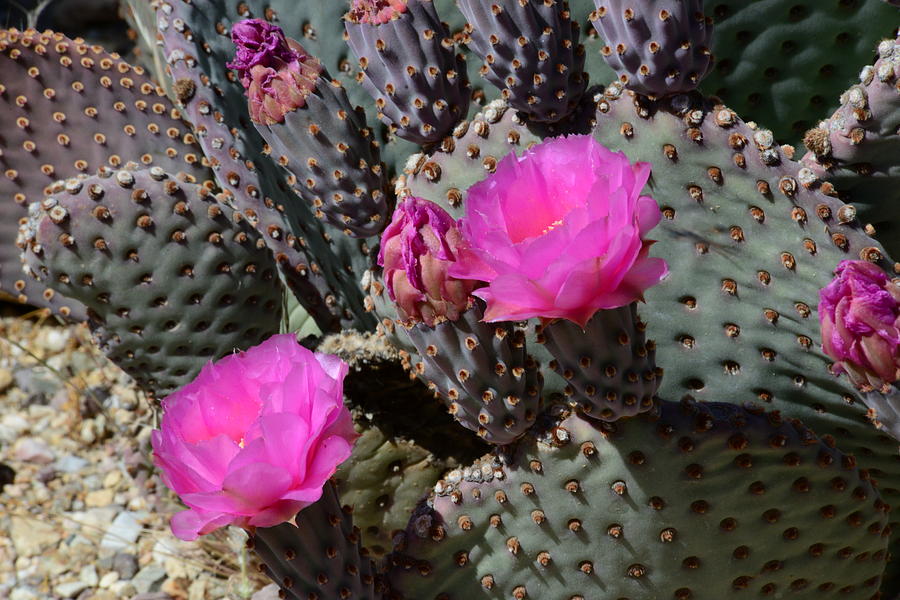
<point>417,249</point>
<point>276,72</point>
<point>859,313</point>
<point>559,232</point>
<point>254,438</point>
<point>376,12</point>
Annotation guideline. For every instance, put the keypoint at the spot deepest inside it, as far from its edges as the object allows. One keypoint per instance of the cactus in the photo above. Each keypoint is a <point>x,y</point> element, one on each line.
<point>622,290</point>
<point>72,109</point>
<point>583,510</point>
<point>319,556</point>
<point>170,278</point>
<point>853,147</point>
<point>410,43</point>
<point>531,52</point>
<point>658,52</point>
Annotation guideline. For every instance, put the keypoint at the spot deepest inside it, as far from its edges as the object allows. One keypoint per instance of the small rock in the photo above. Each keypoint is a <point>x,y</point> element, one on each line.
<point>123,589</point>
<point>153,596</point>
<point>89,576</point>
<point>125,564</point>
<point>31,536</point>
<point>197,590</point>
<point>54,339</point>
<point>107,580</point>
<point>98,498</point>
<point>12,426</point>
<point>270,592</point>
<point>70,464</point>
<point>24,593</point>
<point>33,450</point>
<point>6,379</point>
<point>148,578</point>
<point>112,479</point>
<point>40,383</point>
<point>123,532</point>
<point>70,589</point>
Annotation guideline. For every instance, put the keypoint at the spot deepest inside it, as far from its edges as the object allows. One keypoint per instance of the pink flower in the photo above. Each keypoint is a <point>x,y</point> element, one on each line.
<point>276,72</point>
<point>417,249</point>
<point>254,438</point>
<point>559,233</point>
<point>859,313</point>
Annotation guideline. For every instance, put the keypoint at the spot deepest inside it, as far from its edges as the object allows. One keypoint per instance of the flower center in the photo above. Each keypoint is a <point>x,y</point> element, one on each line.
<point>552,226</point>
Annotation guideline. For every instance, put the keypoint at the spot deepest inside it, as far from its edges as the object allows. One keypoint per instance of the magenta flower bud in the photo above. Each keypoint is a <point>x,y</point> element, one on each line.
<point>254,438</point>
<point>859,313</point>
<point>376,12</point>
<point>276,72</point>
<point>560,232</point>
<point>417,249</point>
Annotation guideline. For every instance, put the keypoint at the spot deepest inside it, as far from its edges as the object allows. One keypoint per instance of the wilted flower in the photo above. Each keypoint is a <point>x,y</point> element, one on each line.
<point>859,312</point>
<point>276,72</point>
<point>559,233</point>
<point>254,438</point>
<point>375,12</point>
<point>417,249</point>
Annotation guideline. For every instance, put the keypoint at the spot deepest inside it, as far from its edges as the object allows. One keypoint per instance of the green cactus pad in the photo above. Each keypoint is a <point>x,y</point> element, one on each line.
<point>539,73</point>
<point>482,372</point>
<point>70,108</point>
<point>700,502</point>
<point>172,278</point>
<point>749,246</point>
<point>468,156</point>
<point>857,148</point>
<point>382,481</point>
<point>785,63</point>
<point>657,48</point>
<point>321,267</point>
<point>750,241</point>
<point>334,163</point>
<point>608,365</point>
<point>413,56</point>
<point>319,557</point>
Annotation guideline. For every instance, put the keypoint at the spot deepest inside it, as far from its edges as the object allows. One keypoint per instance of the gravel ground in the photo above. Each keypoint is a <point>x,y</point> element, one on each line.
<point>82,513</point>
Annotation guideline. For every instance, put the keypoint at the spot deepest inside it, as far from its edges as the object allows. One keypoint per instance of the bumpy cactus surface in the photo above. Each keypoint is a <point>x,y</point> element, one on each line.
<point>574,223</point>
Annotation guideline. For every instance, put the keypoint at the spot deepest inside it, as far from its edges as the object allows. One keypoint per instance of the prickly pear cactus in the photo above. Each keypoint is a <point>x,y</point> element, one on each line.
<point>170,278</point>
<point>571,225</point>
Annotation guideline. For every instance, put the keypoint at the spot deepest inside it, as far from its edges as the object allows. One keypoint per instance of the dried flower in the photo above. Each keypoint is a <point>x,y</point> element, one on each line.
<point>375,12</point>
<point>417,249</point>
<point>859,313</point>
<point>276,72</point>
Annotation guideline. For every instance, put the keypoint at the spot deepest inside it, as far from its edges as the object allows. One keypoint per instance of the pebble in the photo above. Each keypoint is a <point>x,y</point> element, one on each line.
<point>24,593</point>
<point>70,589</point>
<point>70,464</point>
<point>148,578</point>
<point>33,450</point>
<point>107,580</point>
<point>88,575</point>
<point>98,498</point>
<point>125,564</point>
<point>31,537</point>
<point>6,379</point>
<point>123,532</point>
<point>82,510</point>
